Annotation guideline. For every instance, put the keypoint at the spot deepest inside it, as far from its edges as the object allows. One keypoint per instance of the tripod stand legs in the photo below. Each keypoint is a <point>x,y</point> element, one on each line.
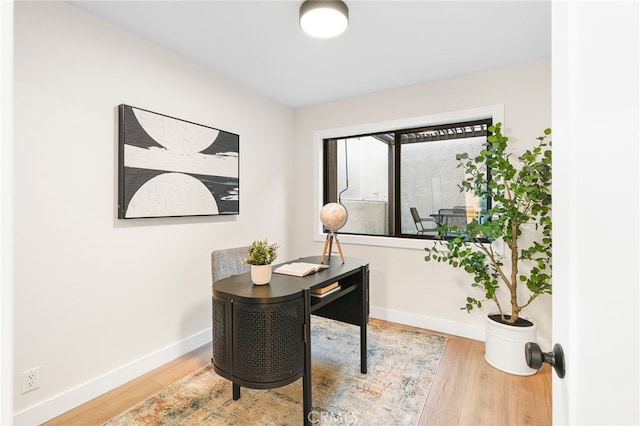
<point>328,243</point>
<point>339,249</point>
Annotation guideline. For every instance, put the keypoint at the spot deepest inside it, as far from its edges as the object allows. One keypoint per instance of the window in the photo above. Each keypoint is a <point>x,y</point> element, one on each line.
<point>403,183</point>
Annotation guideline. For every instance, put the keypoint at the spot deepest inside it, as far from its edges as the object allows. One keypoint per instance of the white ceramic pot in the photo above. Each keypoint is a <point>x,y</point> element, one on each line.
<point>261,274</point>
<point>504,346</point>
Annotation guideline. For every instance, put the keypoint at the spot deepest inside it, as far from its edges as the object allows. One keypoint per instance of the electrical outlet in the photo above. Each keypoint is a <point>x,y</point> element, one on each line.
<point>30,379</point>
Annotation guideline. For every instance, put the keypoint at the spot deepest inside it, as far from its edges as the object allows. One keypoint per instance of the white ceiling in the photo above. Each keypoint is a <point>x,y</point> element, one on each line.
<point>388,44</point>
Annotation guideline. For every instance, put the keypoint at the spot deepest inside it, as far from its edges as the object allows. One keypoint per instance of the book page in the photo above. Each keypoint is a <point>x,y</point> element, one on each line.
<point>299,269</point>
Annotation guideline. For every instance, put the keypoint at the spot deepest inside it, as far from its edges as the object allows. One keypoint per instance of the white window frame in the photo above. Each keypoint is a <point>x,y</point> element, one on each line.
<point>495,112</point>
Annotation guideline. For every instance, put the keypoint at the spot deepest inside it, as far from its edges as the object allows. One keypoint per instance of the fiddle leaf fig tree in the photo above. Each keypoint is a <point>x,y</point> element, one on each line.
<point>521,195</point>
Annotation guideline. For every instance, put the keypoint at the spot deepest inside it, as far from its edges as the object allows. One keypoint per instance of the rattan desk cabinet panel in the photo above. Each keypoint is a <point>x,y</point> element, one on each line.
<point>261,333</point>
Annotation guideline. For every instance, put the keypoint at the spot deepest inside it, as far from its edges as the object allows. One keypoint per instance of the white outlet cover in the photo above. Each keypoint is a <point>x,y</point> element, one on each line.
<point>30,380</point>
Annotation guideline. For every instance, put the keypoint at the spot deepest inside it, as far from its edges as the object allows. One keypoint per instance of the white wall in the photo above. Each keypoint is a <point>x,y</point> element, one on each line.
<point>100,300</point>
<point>6,216</point>
<point>405,288</point>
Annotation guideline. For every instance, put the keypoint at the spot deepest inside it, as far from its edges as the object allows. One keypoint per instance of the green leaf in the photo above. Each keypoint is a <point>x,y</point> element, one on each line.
<point>520,188</point>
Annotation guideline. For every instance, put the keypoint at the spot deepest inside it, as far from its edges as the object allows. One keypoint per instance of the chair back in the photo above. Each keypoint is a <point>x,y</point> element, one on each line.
<point>227,262</point>
<point>414,214</point>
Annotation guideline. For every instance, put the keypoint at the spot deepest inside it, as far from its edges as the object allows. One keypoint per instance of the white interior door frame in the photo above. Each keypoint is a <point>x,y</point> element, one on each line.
<point>596,96</point>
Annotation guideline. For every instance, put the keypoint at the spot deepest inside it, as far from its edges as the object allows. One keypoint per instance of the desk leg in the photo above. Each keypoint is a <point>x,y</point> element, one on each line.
<point>236,392</point>
<point>306,397</point>
<point>307,403</point>
<point>363,348</point>
<point>364,319</point>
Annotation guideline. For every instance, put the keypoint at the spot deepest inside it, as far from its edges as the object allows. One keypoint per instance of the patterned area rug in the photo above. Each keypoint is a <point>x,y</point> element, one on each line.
<point>401,367</point>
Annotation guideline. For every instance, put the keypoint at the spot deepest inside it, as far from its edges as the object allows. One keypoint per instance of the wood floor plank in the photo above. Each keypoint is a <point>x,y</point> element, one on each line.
<point>189,363</point>
<point>465,391</point>
<point>432,417</point>
<point>446,395</point>
<point>112,403</point>
<point>107,406</point>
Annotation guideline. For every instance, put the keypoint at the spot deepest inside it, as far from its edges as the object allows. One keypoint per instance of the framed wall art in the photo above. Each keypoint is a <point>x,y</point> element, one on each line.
<point>170,167</point>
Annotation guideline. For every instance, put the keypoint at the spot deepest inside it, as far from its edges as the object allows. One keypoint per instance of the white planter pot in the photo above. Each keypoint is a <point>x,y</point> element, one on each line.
<point>504,346</point>
<point>261,274</point>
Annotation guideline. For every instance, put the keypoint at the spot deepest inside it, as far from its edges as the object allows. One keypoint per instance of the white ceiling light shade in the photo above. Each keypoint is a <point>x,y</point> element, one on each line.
<point>324,19</point>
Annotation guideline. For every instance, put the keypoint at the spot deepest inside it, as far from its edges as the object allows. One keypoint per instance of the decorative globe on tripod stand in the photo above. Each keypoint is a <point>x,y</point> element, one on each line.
<point>333,216</point>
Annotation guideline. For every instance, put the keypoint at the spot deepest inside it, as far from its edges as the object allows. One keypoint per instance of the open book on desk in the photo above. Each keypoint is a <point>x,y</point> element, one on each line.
<point>299,269</point>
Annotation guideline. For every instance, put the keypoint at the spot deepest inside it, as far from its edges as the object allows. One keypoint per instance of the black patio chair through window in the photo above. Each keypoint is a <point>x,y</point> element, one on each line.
<point>421,221</point>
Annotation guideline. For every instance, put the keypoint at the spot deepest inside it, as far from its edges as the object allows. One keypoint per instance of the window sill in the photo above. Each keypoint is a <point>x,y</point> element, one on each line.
<point>391,242</point>
<point>379,241</point>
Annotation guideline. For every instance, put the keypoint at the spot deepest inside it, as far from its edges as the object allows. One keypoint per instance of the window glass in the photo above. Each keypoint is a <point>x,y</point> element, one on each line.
<point>404,183</point>
<point>429,179</point>
<point>363,183</point>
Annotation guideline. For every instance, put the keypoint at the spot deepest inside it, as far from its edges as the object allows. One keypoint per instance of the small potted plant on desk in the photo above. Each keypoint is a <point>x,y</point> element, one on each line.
<point>521,219</point>
<point>261,256</point>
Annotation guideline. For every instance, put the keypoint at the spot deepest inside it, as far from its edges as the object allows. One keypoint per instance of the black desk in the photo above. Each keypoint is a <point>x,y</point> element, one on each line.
<point>261,334</point>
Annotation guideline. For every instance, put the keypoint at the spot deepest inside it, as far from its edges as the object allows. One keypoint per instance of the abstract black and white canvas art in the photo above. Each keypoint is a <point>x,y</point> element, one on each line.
<point>172,167</point>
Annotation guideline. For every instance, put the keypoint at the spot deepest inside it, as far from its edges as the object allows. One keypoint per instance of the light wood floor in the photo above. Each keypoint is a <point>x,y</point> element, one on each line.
<point>465,391</point>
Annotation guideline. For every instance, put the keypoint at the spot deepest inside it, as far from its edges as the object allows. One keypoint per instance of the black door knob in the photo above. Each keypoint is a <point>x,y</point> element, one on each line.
<point>535,357</point>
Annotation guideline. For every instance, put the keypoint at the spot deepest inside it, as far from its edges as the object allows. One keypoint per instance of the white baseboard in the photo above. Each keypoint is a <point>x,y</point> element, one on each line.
<point>474,332</point>
<point>443,326</point>
<point>59,404</point>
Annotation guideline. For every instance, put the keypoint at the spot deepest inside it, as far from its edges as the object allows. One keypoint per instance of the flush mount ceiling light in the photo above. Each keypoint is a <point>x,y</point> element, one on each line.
<point>324,19</point>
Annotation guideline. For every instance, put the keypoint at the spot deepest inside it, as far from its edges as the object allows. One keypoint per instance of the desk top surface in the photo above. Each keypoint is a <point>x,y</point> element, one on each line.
<point>285,287</point>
